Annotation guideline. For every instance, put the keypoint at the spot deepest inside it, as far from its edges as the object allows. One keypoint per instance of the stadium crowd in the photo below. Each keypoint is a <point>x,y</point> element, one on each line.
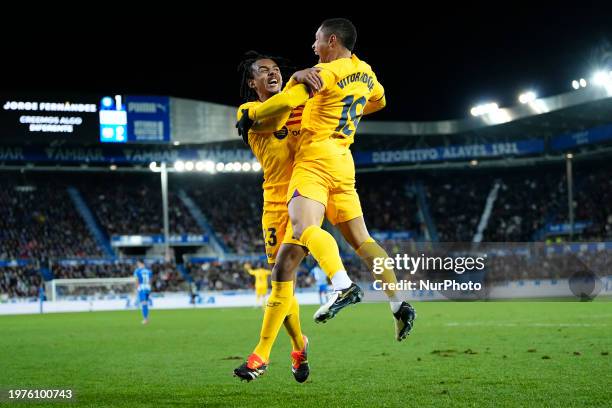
<point>232,275</point>
<point>593,201</point>
<point>40,221</point>
<point>457,207</point>
<point>131,209</point>
<point>388,204</point>
<point>19,281</point>
<point>222,202</point>
<point>525,203</point>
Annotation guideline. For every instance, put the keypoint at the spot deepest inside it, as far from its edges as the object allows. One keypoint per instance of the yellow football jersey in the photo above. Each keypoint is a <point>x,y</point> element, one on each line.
<point>275,150</point>
<point>261,276</point>
<point>330,118</point>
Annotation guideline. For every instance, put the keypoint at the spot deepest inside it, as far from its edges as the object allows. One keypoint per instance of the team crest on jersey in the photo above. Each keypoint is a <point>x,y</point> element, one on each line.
<point>281,134</point>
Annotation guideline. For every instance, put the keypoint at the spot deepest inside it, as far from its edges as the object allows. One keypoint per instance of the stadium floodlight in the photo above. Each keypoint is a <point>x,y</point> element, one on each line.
<point>583,82</point>
<point>601,78</point>
<point>492,107</point>
<point>246,166</point>
<point>220,167</point>
<point>527,97</point>
<point>209,166</point>
<point>200,166</point>
<point>189,165</point>
<point>575,84</point>
<point>179,165</point>
<point>484,109</point>
<point>256,166</point>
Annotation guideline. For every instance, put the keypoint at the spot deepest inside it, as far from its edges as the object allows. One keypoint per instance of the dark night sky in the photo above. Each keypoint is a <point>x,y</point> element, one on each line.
<point>434,63</point>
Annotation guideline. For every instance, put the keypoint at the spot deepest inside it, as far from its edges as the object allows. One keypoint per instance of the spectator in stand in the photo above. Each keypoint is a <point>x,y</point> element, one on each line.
<point>19,281</point>
<point>137,209</point>
<point>40,221</point>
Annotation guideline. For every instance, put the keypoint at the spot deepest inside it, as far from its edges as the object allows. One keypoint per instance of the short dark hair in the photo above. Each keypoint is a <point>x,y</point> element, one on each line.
<point>344,30</point>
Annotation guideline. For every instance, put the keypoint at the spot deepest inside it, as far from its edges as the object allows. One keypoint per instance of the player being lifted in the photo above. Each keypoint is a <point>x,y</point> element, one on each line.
<point>261,79</point>
<point>323,177</point>
<point>143,277</point>
<point>261,283</point>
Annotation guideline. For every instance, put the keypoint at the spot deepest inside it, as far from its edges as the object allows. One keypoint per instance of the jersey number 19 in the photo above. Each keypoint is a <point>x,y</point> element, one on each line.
<point>349,117</point>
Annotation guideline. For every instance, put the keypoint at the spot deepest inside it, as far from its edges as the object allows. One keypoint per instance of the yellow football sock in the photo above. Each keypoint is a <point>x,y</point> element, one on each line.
<point>323,248</point>
<point>293,327</point>
<point>277,307</point>
<point>370,250</point>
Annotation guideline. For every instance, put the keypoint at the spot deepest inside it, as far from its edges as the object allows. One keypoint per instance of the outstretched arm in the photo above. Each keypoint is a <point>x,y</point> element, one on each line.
<point>271,124</point>
<point>247,267</point>
<point>280,103</point>
<point>302,85</point>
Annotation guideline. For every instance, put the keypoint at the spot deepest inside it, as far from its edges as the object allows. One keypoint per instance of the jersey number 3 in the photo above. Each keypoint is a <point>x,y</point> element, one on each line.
<point>272,240</point>
<point>349,117</point>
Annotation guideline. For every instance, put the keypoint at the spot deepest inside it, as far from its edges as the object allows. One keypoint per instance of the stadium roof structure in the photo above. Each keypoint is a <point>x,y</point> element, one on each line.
<point>541,118</point>
<point>539,131</point>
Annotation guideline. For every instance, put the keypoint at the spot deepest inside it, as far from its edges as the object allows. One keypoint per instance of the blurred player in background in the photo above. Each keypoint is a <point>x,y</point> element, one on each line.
<point>261,283</point>
<point>194,296</point>
<point>321,282</point>
<point>143,277</point>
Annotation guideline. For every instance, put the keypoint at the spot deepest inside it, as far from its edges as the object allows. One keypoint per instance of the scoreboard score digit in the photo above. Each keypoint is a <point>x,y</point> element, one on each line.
<point>113,120</point>
<point>136,119</point>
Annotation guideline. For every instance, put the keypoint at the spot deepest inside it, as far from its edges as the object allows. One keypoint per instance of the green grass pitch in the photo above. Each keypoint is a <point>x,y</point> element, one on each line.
<point>460,354</point>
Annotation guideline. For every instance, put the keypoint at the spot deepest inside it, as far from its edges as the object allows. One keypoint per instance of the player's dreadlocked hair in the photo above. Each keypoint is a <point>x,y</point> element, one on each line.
<point>245,68</point>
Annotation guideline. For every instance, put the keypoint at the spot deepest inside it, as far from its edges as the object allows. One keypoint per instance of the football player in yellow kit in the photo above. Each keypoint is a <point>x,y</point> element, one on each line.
<point>273,144</point>
<point>323,177</point>
<point>261,283</point>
